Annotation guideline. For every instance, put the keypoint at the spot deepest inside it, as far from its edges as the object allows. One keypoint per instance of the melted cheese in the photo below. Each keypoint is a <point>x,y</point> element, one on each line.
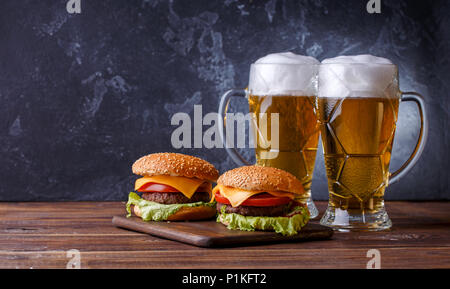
<point>238,196</point>
<point>187,186</point>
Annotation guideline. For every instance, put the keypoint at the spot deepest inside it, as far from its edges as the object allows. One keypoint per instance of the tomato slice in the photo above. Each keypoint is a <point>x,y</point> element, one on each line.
<point>155,187</point>
<point>259,200</point>
<point>161,188</point>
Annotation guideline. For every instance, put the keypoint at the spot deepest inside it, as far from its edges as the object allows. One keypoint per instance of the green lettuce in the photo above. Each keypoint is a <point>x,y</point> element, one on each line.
<point>287,226</point>
<point>152,211</point>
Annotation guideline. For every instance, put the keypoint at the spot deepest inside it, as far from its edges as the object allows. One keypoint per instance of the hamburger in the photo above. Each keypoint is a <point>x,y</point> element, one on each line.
<point>260,198</point>
<point>173,187</point>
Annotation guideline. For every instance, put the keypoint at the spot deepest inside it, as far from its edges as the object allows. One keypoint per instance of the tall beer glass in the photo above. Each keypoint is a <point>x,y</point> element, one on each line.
<point>358,109</point>
<point>287,90</point>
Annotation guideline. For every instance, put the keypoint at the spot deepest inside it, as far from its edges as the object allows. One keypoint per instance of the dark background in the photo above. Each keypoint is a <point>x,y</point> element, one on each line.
<point>83,96</point>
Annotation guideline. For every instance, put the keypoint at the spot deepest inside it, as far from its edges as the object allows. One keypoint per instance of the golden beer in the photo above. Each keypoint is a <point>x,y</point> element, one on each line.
<point>281,93</point>
<point>357,135</point>
<point>358,102</point>
<point>298,132</point>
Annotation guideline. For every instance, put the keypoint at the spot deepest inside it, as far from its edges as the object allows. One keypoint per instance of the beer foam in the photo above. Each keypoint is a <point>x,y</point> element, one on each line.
<point>284,73</point>
<point>355,76</point>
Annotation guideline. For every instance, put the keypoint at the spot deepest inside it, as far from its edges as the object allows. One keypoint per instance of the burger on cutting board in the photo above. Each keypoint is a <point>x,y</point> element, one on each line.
<point>173,187</point>
<point>260,198</point>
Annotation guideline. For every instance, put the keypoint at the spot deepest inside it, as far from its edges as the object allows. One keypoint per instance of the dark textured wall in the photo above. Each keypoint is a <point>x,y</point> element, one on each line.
<point>83,96</point>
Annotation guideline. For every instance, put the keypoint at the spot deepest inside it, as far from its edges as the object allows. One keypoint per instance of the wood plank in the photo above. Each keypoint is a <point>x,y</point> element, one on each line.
<point>137,242</point>
<point>60,218</point>
<point>63,210</point>
<point>60,226</point>
<point>393,258</point>
<point>38,234</point>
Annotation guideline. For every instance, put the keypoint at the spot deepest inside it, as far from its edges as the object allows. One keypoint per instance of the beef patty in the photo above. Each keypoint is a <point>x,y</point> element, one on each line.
<point>274,211</point>
<point>175,198</point>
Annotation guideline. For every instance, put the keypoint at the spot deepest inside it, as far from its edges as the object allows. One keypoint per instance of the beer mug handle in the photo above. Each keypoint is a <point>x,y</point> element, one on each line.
<point>223,107</point>
<point>409,164</point>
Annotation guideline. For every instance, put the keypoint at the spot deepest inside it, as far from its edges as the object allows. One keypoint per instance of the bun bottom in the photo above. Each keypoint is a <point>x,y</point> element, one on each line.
<point>186,213</point>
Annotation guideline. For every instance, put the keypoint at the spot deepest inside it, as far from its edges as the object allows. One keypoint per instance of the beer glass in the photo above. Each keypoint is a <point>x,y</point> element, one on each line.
<point>296,123</point>
<point>358,109</point>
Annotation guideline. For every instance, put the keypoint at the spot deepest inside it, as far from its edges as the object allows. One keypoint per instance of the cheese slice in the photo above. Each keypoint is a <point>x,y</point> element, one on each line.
<point>187,186</point>
<point>238,196</point>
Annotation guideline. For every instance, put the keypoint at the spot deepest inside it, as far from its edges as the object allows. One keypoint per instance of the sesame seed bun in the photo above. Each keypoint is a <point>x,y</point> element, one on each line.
<point>259,178</point>
<point>186,213</point>
<point>174,164</point>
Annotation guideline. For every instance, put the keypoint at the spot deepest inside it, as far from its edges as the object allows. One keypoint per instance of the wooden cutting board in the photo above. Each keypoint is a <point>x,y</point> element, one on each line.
<point>212,234</point>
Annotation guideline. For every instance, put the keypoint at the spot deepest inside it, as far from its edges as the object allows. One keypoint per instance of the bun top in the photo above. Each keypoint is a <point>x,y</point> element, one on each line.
<point>174,164</point>
<point>258,178</point>
<point>284,73</point>
<point>356,76</point>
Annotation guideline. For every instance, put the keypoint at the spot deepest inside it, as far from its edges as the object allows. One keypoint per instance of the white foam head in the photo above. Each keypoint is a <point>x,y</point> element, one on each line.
<point>284,74</point>
<point>355,76</point>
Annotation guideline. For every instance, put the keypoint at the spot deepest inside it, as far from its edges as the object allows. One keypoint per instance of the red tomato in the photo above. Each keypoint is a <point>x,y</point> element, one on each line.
<point>259,200</point>
<point>160,188</point>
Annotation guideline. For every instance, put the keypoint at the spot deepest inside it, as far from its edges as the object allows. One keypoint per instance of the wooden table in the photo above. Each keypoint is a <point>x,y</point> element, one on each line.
<point>39,235</point>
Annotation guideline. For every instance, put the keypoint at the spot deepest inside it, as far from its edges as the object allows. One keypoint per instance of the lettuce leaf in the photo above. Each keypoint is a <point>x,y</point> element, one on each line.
<point>152,211</point>
<point>287,226</point>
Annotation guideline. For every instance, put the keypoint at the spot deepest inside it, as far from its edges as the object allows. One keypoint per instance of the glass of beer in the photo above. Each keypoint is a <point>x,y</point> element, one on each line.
<point>281,94</point>
<point>358,103</point>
